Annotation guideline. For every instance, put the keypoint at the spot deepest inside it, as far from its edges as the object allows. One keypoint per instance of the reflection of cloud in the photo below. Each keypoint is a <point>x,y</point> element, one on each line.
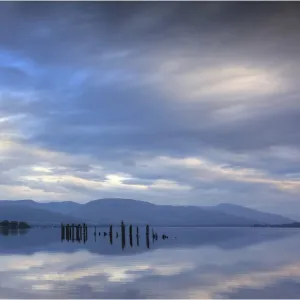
<point>253,280</point>
<point>205,272</point>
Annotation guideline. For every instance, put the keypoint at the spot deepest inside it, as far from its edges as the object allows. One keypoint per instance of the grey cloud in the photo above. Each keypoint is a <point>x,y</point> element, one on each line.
<point>114,81</point>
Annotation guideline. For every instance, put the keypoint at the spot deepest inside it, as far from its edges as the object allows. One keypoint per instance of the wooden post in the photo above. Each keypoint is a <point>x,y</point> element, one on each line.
<point>110,234</point>
<point>123,235</point>
<point>130,235</point>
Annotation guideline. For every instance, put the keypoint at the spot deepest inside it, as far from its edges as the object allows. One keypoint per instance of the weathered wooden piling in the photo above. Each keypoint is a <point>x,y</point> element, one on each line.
<point>123,235</point>
<point>130,235</point>
<point>147,230</point>
<point>110,234</point>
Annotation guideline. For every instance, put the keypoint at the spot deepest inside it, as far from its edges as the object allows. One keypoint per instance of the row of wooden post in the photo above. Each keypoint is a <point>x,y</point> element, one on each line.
<point>79,233</point>
<point>74,232</point>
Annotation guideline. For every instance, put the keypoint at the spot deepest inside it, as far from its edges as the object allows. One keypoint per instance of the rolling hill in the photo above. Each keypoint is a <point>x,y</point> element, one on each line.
<point>106,211</point>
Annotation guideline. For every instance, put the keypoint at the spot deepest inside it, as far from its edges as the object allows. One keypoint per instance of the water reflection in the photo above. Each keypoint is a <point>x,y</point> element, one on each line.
<point>7,231</point>
<point>198,263</point>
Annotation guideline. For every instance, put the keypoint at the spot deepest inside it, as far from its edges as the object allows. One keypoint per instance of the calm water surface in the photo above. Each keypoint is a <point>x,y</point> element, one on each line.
<point>199,263</point>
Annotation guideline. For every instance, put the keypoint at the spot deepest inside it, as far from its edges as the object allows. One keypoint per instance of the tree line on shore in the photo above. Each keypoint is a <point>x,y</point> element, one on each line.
<point>14,225</point>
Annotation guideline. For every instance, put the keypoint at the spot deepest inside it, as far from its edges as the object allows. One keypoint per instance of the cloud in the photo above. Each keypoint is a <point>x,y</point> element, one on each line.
<point>187,101</point>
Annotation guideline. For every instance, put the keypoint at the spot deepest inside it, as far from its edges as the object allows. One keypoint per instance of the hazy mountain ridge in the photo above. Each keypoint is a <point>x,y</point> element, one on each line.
<point>30,214</point>
<point>113,210</point>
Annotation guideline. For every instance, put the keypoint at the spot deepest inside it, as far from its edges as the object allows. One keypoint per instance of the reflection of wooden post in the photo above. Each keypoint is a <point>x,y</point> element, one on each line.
<point>110,235</point>
<point>68,232</point>
<point>84,232</point>
<point>62,231</point>
<point>147,241</point>
<point>137,236</point>
<point>73,232</point>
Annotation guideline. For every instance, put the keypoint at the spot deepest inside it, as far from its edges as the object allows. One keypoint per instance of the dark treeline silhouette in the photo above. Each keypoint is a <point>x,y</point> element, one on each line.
<point>79,233</point>
<point>288,225</point>
<point>14,224</point>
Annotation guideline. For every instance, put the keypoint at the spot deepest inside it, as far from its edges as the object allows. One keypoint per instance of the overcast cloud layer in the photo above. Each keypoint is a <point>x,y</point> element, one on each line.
<point>174,103</point>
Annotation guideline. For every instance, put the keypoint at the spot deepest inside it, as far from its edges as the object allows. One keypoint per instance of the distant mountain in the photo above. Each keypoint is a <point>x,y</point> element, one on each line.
<point>62,207</point>
<point>32,215</point>
<point>113,210</point>
<point>259,217</point>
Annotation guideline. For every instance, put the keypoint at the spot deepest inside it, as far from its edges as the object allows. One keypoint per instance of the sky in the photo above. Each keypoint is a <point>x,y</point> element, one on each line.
<point>169,102</point>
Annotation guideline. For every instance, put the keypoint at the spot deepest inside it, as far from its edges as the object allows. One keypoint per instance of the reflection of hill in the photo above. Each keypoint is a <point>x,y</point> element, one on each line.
<point>225,238</point>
